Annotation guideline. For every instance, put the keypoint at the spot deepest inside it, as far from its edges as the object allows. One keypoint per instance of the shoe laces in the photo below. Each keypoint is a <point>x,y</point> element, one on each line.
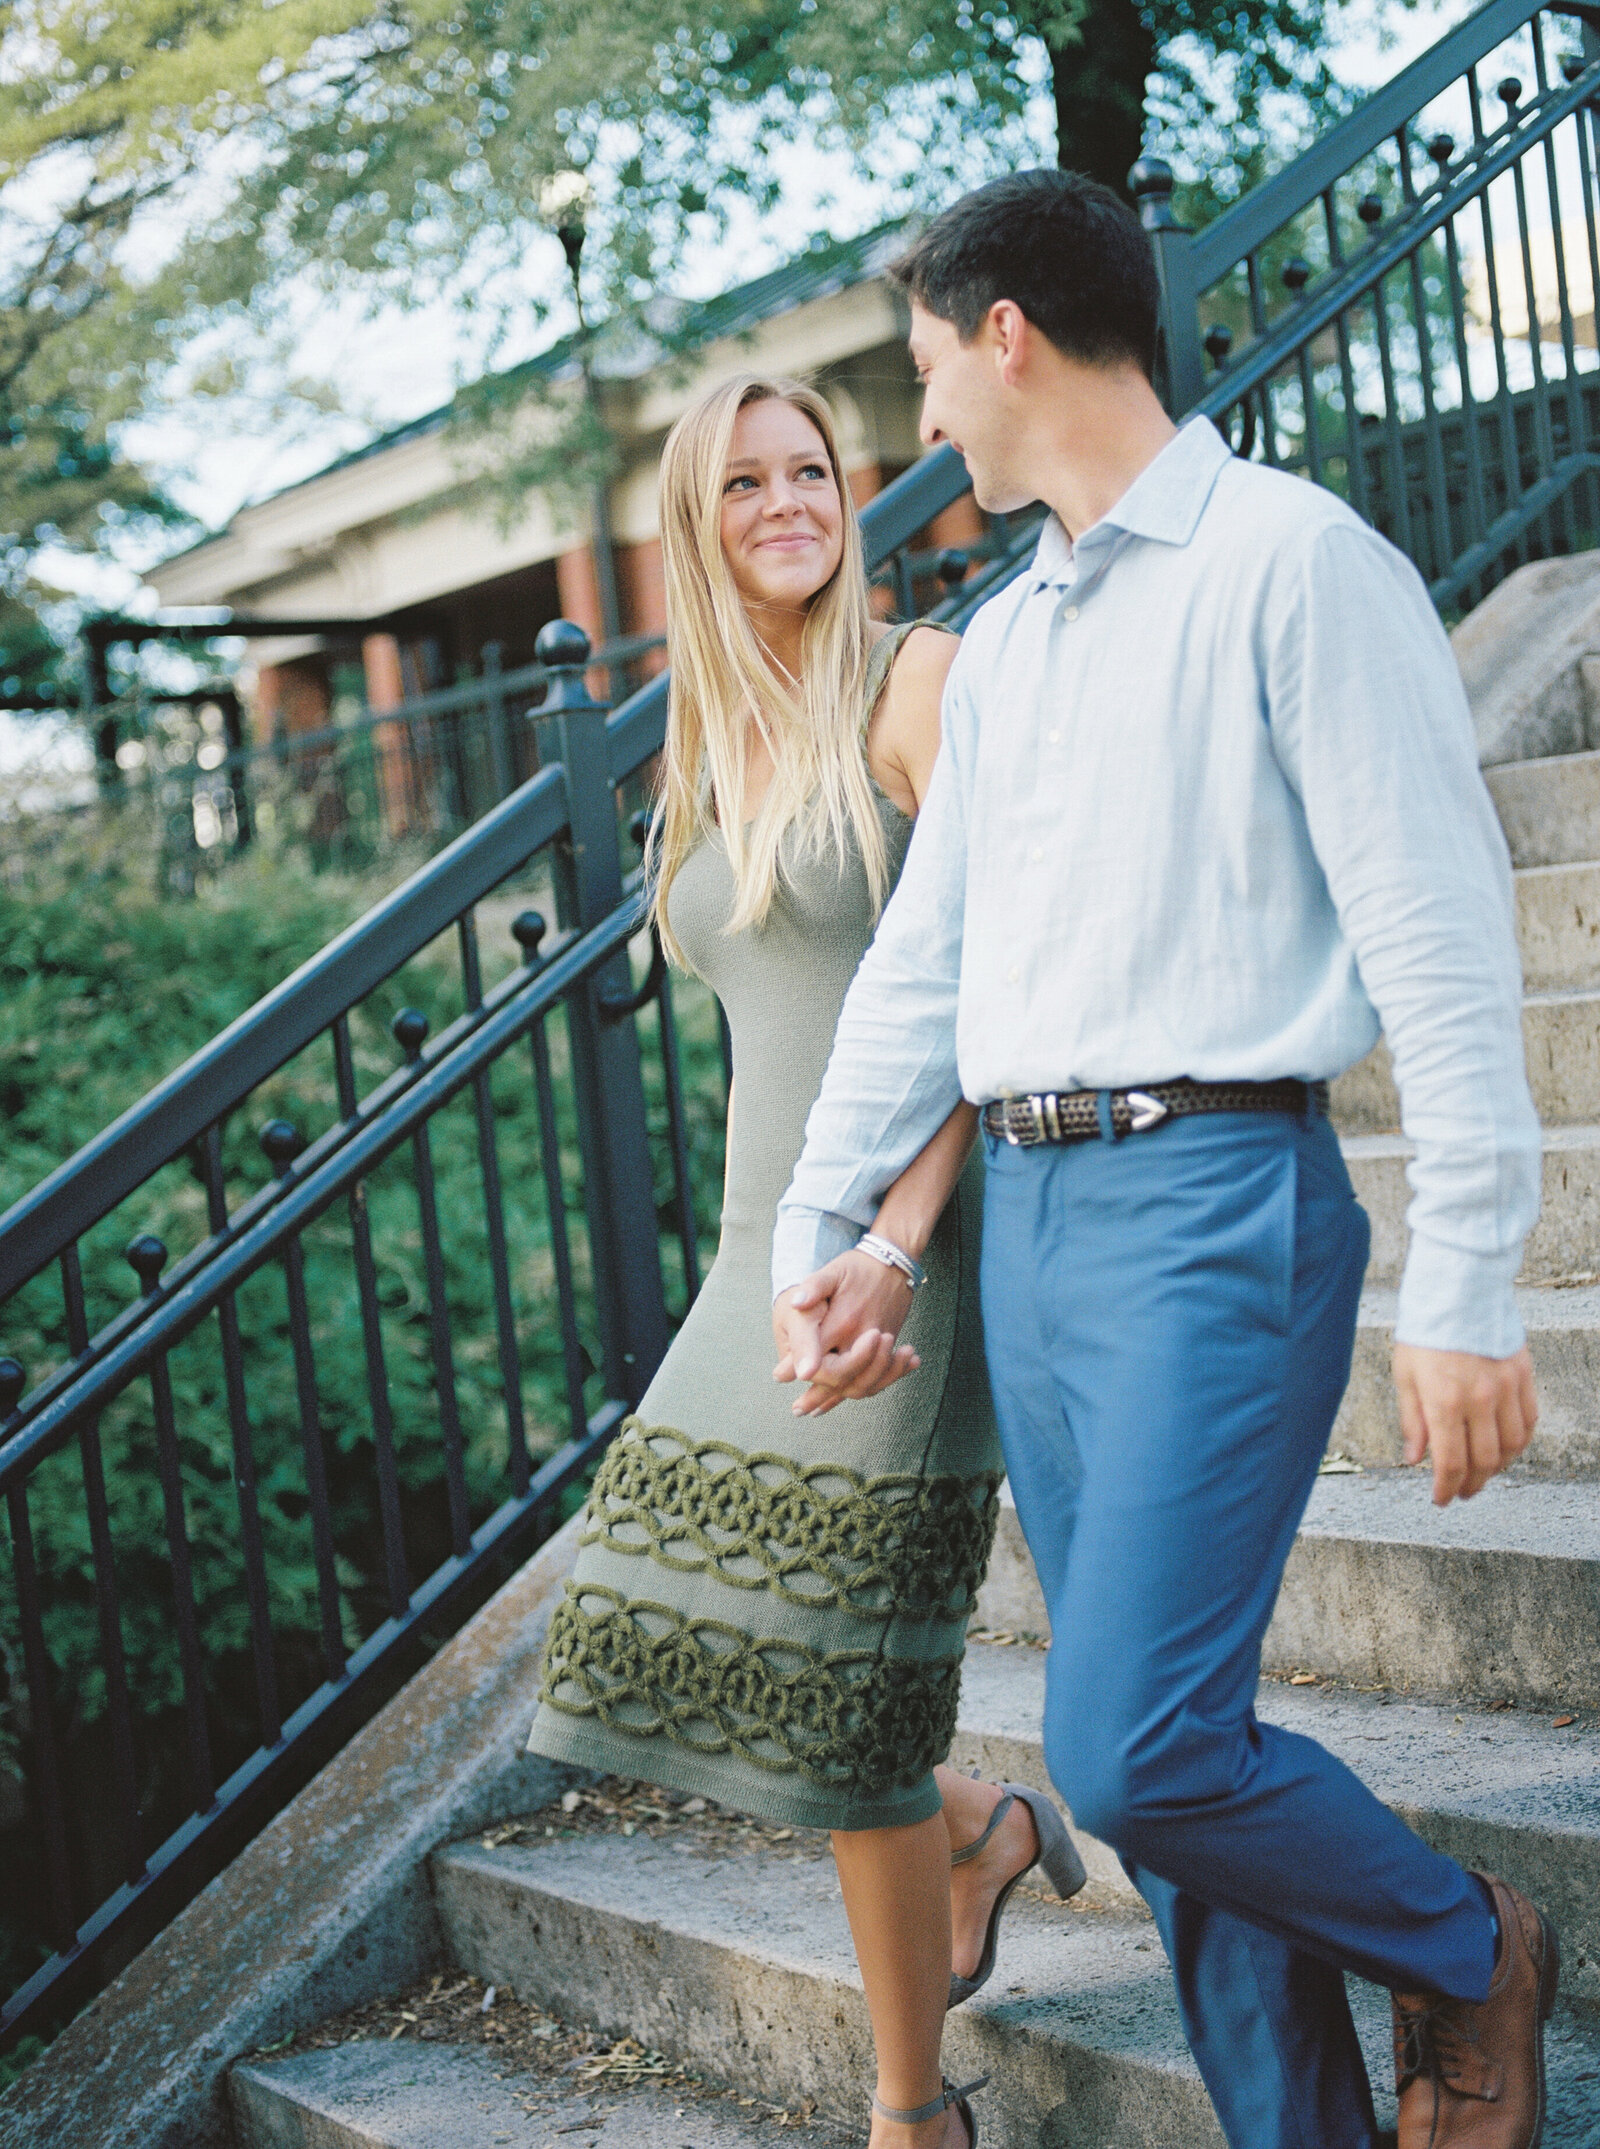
<point>1437,2042</point>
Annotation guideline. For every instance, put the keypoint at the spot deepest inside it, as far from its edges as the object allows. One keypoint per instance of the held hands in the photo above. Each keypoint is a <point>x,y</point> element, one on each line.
<point>837,1330</point>
<point>1476,1415</point>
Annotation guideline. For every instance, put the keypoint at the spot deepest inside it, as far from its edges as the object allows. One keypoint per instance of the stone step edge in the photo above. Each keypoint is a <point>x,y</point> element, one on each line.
<point>1077,2032</point>
<point>798,2026</point>
<point>1562,1322</point>
<point>410,2095</point>
<point>1500,1604</point>
<point>1582,1135</point>
<point>1555,1861</point>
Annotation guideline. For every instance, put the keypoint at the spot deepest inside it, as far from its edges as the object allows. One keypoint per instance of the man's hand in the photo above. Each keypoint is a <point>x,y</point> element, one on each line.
<point>1475,1414</point>
<point>837,1330</point>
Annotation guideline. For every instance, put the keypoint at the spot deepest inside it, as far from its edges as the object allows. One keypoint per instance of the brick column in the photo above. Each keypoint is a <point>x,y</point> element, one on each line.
<point>579,590</point>
<point>291,699</point>
<point>380,661</point>
<point>642,587</point>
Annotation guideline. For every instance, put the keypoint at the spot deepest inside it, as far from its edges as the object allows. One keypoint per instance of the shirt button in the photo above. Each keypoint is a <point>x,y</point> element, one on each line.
<point>1071,612</point>
<point>1037,853</point>
<point>1013,974</point>
<point>1052,738</point>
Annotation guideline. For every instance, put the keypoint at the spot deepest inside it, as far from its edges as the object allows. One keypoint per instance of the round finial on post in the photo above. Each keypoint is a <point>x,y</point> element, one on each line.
<point>951,566</point>
<point>527,930</point>
<point>1442,147</point>
<point>409,1028</point>
<point>562,646</point>
<point>1296,274</point>
<point>1509,92</point>
<point>1218,342</point>
<point>1150,183</point>
<point>1370,210</point>
<point>280,1144</point>
<point>147,1257</point>
<point>12,1382</point>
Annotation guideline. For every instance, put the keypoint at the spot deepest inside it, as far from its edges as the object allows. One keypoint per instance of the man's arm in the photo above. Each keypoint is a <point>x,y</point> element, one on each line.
<point>839,1329</point>
<point>891,1083</point>
<point>1370,722</point>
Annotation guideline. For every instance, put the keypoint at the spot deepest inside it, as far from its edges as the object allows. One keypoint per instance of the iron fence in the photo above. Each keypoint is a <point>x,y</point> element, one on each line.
<point>381,783</point>
<point>1406,313</point>
<point>406,1242</point>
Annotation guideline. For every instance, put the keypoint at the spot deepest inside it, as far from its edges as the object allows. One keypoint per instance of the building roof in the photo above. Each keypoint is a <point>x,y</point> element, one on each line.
<point>825,267</point>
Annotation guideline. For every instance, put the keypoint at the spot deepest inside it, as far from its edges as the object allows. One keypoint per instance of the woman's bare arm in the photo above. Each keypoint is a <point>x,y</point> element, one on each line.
<point>903,740</point>
<point>858,1296</point>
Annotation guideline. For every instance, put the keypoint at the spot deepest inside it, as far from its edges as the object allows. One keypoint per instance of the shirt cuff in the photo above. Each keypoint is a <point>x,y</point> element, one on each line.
<point>805,1240</point>
<point>1452,1300</point>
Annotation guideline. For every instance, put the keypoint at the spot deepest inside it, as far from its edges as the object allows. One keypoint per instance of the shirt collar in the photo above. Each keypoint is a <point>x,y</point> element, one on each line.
<point>1164,502</point>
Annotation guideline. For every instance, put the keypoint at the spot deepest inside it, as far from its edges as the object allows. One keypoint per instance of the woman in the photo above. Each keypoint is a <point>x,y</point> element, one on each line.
<point>769,1602</point>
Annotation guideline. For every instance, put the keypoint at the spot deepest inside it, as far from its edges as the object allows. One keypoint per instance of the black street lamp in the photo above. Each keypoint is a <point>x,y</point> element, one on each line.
<point>563,203</point>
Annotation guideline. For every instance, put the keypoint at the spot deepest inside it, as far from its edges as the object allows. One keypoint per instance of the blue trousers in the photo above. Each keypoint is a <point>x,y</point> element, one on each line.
<point>1169,1321</point>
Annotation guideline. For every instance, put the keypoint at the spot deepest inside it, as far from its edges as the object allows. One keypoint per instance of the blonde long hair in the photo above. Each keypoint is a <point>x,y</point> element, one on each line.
<point>721,678</point>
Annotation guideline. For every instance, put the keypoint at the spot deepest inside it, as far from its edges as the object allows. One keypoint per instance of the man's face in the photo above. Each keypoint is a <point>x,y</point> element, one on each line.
<point>965,401</point>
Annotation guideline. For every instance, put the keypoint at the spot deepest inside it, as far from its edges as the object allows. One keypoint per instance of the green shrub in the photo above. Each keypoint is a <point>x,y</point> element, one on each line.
<point>104,989</point>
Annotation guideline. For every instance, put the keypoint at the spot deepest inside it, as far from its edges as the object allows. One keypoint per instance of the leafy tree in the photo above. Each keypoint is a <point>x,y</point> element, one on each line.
<point>171,174</point>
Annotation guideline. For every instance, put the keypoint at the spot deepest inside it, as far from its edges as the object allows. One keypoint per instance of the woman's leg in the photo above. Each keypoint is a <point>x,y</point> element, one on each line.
<point>896,1884</point>
<point>1012,1848</point>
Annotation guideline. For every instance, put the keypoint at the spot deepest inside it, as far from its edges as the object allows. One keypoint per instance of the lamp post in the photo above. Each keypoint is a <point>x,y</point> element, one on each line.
<point>563,203</point>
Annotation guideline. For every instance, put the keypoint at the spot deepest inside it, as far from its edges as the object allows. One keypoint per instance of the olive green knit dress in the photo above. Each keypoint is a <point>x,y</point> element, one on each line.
<point>770,1610</point>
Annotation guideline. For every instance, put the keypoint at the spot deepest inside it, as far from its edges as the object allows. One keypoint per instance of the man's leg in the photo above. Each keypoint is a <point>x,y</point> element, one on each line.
<point>1193,1296</point>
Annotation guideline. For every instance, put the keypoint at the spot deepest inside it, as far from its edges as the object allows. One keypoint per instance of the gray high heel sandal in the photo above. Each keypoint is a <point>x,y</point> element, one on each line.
<point>1058,1855</point>
<point>942,2103</point>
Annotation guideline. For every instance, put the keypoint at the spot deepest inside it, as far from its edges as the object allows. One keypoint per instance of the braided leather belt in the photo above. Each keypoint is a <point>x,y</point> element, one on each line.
<point>1074,1115</point>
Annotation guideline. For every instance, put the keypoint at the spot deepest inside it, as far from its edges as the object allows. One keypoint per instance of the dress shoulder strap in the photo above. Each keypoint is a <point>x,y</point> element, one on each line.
<point>880,662</point>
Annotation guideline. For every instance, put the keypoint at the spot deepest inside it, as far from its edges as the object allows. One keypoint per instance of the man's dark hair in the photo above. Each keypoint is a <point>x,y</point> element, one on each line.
<point>1060,246</point>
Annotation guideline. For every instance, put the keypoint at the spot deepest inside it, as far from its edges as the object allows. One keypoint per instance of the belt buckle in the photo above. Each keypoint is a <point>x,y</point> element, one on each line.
<point>1035,1106</point>
<point>1144,1111</point>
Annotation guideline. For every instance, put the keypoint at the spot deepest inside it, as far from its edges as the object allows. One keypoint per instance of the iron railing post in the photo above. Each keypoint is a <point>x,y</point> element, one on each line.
<point>1180,361</point>
<point>500,758</point>
<point>619,1184</point>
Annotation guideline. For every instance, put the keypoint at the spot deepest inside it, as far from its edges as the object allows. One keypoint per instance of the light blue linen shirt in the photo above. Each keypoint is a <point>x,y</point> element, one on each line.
<point>1208,804</point>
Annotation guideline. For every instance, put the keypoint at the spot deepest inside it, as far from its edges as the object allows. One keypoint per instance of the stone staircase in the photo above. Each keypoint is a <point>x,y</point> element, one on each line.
<point>1453,1659</point>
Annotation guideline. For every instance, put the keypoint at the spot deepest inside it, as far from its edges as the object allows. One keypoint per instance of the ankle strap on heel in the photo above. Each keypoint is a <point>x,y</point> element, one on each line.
<point>1003,1806</point>
<point>932,2109</point>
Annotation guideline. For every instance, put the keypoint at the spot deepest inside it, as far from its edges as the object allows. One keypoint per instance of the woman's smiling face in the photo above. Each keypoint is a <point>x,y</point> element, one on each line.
<point>782,518</point>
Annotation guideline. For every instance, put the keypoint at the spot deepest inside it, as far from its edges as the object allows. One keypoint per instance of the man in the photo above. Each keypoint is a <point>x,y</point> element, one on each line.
<point>1207,810</point>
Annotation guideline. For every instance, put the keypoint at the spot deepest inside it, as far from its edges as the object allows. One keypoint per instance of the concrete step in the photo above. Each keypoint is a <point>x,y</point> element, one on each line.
<point>746,1964</point>
<point>1563,1244</point>
<point>1549,809</point>
<point>1564,1338</point>
<point>407,2096</point>
<point>1496,1597</point>
<point>1561,1040</point>
<point>1558,925</point>
<point>1503,1791</point>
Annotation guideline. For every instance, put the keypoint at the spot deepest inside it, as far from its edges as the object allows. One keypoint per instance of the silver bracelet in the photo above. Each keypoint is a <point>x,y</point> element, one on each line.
<point>893,1257</point>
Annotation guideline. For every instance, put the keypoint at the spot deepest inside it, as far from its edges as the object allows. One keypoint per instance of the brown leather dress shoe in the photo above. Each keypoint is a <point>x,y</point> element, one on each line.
<point>1471,2076</point>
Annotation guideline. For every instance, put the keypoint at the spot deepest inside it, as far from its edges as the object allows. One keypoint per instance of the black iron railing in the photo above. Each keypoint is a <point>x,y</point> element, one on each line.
<point>180,1386</point>
<point>407,1240</point>
<point>1406,313</point>
<point>346,795</point>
